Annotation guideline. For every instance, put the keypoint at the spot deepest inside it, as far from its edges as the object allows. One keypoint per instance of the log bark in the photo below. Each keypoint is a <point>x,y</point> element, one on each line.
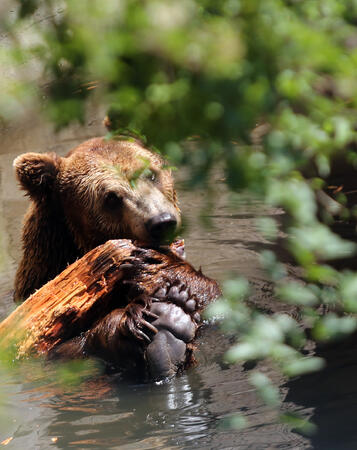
<point>67,303</point>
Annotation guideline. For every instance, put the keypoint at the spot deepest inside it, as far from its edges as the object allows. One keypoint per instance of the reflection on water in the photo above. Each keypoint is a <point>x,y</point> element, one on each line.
<point>106,412</point>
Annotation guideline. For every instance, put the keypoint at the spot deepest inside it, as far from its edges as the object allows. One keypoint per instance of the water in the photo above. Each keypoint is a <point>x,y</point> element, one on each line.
<point>105,412</point>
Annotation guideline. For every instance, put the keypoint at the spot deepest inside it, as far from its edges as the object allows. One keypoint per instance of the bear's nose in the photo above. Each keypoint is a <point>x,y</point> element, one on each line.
<point>161,227</point>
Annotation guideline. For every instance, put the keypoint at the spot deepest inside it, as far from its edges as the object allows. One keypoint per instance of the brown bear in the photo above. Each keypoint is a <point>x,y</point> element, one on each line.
<point>102,190</point>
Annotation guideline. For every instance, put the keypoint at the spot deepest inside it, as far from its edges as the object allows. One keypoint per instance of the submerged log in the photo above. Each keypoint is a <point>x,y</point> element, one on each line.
<point>78,305</point>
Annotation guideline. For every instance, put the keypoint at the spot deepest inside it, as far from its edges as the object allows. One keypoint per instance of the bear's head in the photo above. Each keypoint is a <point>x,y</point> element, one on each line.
<point>104,189</point>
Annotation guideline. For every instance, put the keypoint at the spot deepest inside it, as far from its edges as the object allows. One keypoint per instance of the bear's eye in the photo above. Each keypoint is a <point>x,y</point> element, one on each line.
<point>150,175</point>
<point>113,200</point>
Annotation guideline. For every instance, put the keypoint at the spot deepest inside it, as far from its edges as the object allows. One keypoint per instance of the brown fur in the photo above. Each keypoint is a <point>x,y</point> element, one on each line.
<point>71,211</point>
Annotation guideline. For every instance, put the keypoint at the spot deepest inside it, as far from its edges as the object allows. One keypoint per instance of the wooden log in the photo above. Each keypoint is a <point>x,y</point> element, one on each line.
<point>89,289</point>
<point>67,303</point>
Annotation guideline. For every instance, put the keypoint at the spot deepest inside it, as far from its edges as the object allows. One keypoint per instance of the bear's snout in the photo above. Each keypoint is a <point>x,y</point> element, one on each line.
<point>161,227</point>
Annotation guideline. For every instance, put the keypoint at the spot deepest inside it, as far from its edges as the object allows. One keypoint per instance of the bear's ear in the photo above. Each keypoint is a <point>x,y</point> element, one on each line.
<point>37,172</point>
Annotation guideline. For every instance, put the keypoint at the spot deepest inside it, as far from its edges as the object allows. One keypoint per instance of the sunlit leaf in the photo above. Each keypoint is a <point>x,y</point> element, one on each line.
<point>331,327</point>
<point>267,390</point>
<point>296,294</point>
<point>303,365</point>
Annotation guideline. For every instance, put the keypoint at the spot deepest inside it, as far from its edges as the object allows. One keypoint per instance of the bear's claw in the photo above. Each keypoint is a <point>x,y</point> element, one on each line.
<point>142,336</point>
<point>133,322</point>
<point>150,314</point>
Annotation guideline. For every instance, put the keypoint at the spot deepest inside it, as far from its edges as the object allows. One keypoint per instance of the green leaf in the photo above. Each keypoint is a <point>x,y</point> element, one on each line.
<point>235,421</point>
<point>244,352</point>
<point>348,290</point>
<point>303,365</point>
<point>332,327</point>
<point>297,422</point>
<point>236,289</point>
<point>268,392</point>
<point>268,227</point>
<point>318,239</point>
<point>296,294</point>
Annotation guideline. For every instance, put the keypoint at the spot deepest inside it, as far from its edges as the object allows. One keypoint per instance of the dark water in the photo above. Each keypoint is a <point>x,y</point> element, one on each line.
<point>105,412</point>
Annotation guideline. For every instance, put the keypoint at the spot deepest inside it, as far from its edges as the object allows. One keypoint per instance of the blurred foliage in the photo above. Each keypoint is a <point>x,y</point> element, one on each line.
<point>36,375</point>
<point>68,374</point>
<point>265,88</point>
